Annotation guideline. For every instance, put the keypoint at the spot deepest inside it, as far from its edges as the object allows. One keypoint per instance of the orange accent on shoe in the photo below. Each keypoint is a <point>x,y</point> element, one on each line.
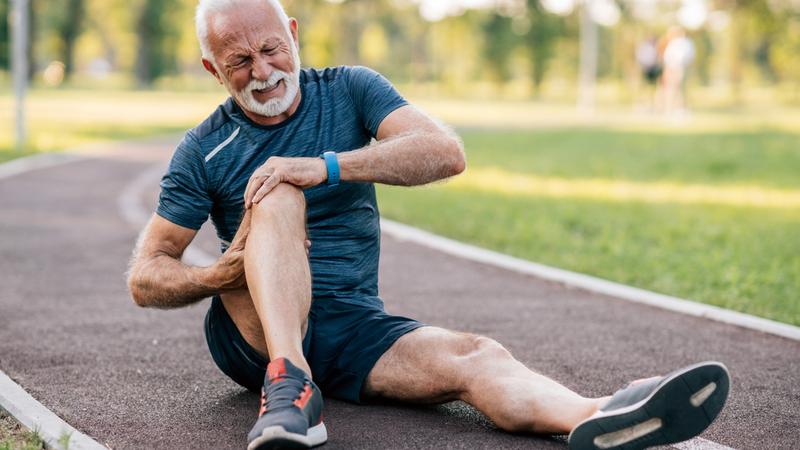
<point>301,402</point>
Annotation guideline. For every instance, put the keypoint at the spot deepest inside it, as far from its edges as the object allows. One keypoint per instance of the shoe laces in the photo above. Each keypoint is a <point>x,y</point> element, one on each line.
<point>281,394</point>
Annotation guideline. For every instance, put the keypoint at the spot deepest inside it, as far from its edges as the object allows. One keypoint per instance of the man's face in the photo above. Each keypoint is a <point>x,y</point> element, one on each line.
<point>256,59</point>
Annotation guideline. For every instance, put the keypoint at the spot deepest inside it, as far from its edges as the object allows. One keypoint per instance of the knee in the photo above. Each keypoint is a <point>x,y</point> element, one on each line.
<point>473,357</point>
<point>284,199</point>
<point>481,348</point>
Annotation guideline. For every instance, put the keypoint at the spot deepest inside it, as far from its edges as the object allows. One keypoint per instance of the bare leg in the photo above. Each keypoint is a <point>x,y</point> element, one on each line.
<point>278,278</point>
<point>433,365</point>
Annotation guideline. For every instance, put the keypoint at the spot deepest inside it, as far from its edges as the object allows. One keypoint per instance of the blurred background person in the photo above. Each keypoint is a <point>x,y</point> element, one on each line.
<point>649,62</point>
<point>678,57</point>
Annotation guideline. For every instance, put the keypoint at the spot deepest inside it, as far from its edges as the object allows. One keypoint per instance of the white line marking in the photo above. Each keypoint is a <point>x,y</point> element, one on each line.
<point>35,162</point>
<point>36,416</point>
<point>700,444</point>
<point>131,209</point>
<point>128,202</point>
<point>223,144</point>
<point>620,437</point>
<point>13,399</point>
<point>589,283</point>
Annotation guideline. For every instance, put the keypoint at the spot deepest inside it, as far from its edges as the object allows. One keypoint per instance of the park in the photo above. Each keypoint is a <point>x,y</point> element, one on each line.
<point>605,229</point>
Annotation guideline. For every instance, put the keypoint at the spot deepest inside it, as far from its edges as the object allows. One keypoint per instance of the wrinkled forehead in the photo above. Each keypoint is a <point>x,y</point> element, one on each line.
<point>245,25</point>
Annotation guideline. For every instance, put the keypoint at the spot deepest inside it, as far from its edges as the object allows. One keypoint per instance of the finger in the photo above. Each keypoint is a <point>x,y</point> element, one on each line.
<point>268,185</point>
<point>247,191</point>
<point>255,183</point>
<point>308,243</point>
<point>240,239</point>
<point>251,190</point>
<point>262,192</point>
<point>241,232</point>
<point>244,225</point>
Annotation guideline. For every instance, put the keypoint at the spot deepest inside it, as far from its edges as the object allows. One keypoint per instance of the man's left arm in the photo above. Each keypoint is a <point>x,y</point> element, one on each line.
<point>411,150</point>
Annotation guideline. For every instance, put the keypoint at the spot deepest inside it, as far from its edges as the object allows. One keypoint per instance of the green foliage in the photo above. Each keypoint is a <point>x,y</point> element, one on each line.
<point>5,41</point>
<point>64,439</point>
<point>62,21</point>
<point>157,40</point>
<point>499,42</point>
<point>784,53</point>
<point>153,38</point>
<point>545,30</point>
<point>13,436</point>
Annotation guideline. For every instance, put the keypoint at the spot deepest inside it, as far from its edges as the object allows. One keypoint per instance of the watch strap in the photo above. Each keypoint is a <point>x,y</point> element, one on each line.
<point>332,164</point>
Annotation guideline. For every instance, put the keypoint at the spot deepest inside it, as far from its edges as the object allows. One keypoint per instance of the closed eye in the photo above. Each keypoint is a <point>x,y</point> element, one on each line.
<point>238,62</point>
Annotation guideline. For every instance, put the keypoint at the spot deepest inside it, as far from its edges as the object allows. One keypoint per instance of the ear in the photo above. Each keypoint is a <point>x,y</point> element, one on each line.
<point>293,29</point>
<point>209,66</point>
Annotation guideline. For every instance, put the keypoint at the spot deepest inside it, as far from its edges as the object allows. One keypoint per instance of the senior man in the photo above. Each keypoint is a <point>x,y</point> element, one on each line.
<point>285,169</point>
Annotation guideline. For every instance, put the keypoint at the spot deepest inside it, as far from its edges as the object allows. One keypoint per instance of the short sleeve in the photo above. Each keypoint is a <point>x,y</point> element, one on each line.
<point>373,95</point>
<point>184,198</point>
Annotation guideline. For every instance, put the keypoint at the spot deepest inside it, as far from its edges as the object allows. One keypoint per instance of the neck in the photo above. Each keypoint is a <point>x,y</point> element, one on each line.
<point>274,120</point>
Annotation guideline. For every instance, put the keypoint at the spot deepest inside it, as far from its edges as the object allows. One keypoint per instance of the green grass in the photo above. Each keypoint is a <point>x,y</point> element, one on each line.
<point>14,436</point>
<point>763,158</point>
<point>712,217</point>
<point>59,120</point>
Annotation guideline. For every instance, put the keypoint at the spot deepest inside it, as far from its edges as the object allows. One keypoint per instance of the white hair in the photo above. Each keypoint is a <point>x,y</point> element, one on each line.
<point>206,7</point>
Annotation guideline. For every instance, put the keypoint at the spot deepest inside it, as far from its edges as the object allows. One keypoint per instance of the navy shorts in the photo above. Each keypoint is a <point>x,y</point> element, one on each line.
<point>343,342</point>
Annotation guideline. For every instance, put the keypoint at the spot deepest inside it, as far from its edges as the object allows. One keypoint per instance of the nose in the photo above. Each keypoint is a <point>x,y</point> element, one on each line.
<point>261,68</point>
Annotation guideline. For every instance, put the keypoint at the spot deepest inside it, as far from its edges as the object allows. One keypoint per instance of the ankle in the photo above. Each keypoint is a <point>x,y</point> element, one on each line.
<point>599,403</point>
<point>297,360</point>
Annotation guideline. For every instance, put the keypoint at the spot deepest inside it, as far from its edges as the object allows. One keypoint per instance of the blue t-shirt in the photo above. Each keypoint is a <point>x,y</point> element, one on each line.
<point>340,110</point>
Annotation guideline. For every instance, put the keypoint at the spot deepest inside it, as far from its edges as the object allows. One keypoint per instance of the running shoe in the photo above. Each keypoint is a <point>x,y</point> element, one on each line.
<point>657,411</point>
<point>291,410</point>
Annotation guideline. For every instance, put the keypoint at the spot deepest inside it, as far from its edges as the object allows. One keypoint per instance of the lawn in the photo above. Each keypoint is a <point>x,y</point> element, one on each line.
<point>713,217</point>
<point>707,210</point>
<point>63,119</point>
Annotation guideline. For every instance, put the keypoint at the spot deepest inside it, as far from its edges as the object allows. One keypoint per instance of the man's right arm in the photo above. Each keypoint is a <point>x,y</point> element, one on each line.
<point>157,277</point>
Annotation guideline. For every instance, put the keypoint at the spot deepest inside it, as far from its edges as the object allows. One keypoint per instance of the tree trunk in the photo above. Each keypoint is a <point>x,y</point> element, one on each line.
<point>144,53</point>
<point>5,32</point>
<point>70,30</point>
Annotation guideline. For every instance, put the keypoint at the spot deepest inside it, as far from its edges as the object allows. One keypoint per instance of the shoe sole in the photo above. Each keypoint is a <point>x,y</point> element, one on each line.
<point>276,437</point>
<point>682,407</point>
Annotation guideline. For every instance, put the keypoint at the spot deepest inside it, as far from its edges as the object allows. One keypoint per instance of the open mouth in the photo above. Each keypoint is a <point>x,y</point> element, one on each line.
<point>270,89</point>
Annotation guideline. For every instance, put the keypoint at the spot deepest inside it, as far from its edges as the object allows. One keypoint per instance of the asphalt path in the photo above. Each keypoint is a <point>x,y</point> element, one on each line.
<point>139,378</point>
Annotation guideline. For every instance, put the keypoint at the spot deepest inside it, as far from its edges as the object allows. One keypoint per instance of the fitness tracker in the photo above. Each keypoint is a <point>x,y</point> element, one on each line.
<point>332,163</point>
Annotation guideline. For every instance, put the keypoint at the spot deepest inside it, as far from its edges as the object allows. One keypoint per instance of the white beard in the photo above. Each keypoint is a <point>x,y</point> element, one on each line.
<point>274,106</point>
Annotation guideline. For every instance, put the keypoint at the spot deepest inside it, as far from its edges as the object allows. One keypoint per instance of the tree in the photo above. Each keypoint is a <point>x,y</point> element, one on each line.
<point>544,32</point>
<point>157,40</point>
<point>499,42</point>
<point>69,28</point>
<point>5,32</point>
